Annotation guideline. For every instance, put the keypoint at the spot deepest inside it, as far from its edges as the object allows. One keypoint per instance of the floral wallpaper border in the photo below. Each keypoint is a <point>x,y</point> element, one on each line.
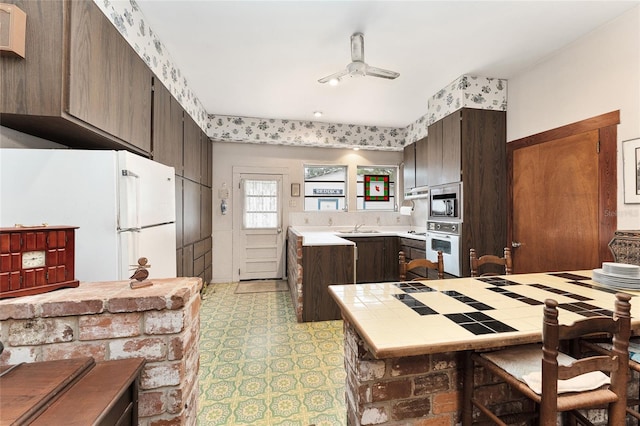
<point>465,91</point>
<point>305,133</point>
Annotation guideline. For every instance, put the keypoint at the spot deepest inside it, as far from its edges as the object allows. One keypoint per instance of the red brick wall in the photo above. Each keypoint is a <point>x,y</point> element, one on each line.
<point>294,270</point>
<point>110,321</point>
<point>419,390</point>
<point>424,390</point>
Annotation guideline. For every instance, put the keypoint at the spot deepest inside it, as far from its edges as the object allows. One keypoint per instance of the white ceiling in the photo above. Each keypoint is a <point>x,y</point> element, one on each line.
<point>263,58</point>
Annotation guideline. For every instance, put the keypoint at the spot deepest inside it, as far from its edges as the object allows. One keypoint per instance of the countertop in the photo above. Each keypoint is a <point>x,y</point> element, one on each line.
<point>435,316</point>
<point>323,236</point>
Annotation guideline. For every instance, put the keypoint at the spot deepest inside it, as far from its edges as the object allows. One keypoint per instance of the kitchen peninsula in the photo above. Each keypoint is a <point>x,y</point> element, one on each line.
<point>405,342</point>
<point>111,321</point>
<point>318,257</point>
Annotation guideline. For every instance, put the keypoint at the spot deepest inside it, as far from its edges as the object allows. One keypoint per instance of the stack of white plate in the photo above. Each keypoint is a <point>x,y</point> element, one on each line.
<point>618,275</point>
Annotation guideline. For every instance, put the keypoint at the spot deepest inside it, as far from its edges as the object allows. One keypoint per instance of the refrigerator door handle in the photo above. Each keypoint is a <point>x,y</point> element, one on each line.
<point>133,215</point>
<point>130,230</point>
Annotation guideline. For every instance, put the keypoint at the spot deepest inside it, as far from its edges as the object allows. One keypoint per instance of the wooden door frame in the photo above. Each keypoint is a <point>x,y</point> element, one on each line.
<point>606,124</point>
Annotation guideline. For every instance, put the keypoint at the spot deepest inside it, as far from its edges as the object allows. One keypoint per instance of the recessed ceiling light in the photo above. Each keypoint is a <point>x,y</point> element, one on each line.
<point>317,114</point>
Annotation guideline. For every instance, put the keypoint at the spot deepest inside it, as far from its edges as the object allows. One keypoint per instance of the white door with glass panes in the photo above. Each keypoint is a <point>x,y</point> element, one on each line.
<point>261,237</point>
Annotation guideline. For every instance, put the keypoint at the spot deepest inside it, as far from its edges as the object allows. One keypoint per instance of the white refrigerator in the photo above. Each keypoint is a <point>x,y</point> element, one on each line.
<point>123,204</point>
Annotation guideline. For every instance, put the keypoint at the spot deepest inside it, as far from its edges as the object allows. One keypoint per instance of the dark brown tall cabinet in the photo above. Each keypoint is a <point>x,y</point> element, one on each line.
<point>179,142</point>
<point>469,145</point>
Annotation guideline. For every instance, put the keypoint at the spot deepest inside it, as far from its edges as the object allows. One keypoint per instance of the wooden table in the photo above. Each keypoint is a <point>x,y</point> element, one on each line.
<point>75,391</point>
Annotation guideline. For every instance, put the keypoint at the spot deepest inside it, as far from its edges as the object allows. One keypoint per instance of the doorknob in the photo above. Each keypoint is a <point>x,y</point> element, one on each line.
<point>515,244</point>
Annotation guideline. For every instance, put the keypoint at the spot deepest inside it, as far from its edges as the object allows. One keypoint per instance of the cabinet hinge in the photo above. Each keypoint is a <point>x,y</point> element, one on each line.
<point>598,147</point>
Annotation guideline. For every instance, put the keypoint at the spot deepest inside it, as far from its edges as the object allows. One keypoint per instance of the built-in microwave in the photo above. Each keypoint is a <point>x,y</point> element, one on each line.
<point>445,202</point>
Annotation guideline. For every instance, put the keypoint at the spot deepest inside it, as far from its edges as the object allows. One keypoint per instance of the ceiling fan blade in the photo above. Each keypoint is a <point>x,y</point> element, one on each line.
<point>357,47</point>
<point>379,72</point>
<point>336,75</point>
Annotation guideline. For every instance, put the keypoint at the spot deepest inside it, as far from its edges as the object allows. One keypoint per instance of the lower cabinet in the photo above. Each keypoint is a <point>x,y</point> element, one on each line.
<point>324,266</point>
<point>377,259</point>
<point>413,249</point>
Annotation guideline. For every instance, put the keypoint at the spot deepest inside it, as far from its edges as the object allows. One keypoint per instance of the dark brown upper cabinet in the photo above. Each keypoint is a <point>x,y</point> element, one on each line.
<point>167,145</point>
<point>409,170</point>
<point>422,162</point>
<point>192,149</point>
<point>81,84</point>
<point>443,162</point>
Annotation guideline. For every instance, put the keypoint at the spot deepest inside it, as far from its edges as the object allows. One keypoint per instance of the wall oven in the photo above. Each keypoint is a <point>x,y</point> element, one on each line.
<point>445,237</point>
<point>445,202</point>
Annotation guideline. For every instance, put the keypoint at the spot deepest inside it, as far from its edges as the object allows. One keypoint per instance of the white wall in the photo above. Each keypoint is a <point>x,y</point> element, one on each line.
<point>10,138</point>
<point>227,155</point>
<point>596,74</point>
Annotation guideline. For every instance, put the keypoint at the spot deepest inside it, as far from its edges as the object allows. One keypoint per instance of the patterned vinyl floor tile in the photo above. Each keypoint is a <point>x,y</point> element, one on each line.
<point>259,367</point>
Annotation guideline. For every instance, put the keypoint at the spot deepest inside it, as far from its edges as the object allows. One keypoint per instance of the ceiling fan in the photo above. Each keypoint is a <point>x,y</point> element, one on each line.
<point>358,67</point>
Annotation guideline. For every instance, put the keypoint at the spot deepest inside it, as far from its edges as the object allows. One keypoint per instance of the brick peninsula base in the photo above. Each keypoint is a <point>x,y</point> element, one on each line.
<point>417,390</point>
<point>109,320</point>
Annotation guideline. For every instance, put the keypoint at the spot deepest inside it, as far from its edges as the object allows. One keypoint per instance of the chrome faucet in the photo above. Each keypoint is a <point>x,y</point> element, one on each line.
<point>357,227</point>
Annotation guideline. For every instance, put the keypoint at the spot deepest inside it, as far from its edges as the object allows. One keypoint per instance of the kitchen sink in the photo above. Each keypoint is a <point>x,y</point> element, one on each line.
<point>359,231</point>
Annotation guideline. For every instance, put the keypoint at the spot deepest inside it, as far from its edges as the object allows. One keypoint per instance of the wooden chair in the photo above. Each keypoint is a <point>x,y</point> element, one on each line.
<point>553,395</point>
<point>490,259</point>
<point>604,348</point>
<point>420,263</point>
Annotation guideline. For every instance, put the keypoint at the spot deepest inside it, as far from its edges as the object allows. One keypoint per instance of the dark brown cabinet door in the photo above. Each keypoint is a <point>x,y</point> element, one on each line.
<point>109,85</point>
<point>391,268</point>
<point>324,266</point>
<point>179,212</point>
<point>377,259</point>
<point>206,216</point>
<point>443,146</point>
<point>409,171</point>
<point>191,212</point>
<point>422,161</point>
<point>451,148</point>
<point>167,128</point>
<point>205,160</point>
<point>434,154</point>
<point>192,149</point>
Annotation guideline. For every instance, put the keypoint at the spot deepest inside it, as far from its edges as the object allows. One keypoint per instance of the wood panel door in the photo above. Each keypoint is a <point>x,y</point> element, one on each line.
<point>563,191</point>
<point>259,234</point>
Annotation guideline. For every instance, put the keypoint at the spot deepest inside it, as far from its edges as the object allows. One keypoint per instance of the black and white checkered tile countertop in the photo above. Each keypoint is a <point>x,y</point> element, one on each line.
<point>467,313</point>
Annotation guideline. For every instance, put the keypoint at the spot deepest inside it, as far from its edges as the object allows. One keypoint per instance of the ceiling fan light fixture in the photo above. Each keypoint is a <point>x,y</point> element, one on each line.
<point>357,67</point>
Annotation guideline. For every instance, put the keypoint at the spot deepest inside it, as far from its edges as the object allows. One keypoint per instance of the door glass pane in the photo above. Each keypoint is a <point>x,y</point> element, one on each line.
<point>260,204</point>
